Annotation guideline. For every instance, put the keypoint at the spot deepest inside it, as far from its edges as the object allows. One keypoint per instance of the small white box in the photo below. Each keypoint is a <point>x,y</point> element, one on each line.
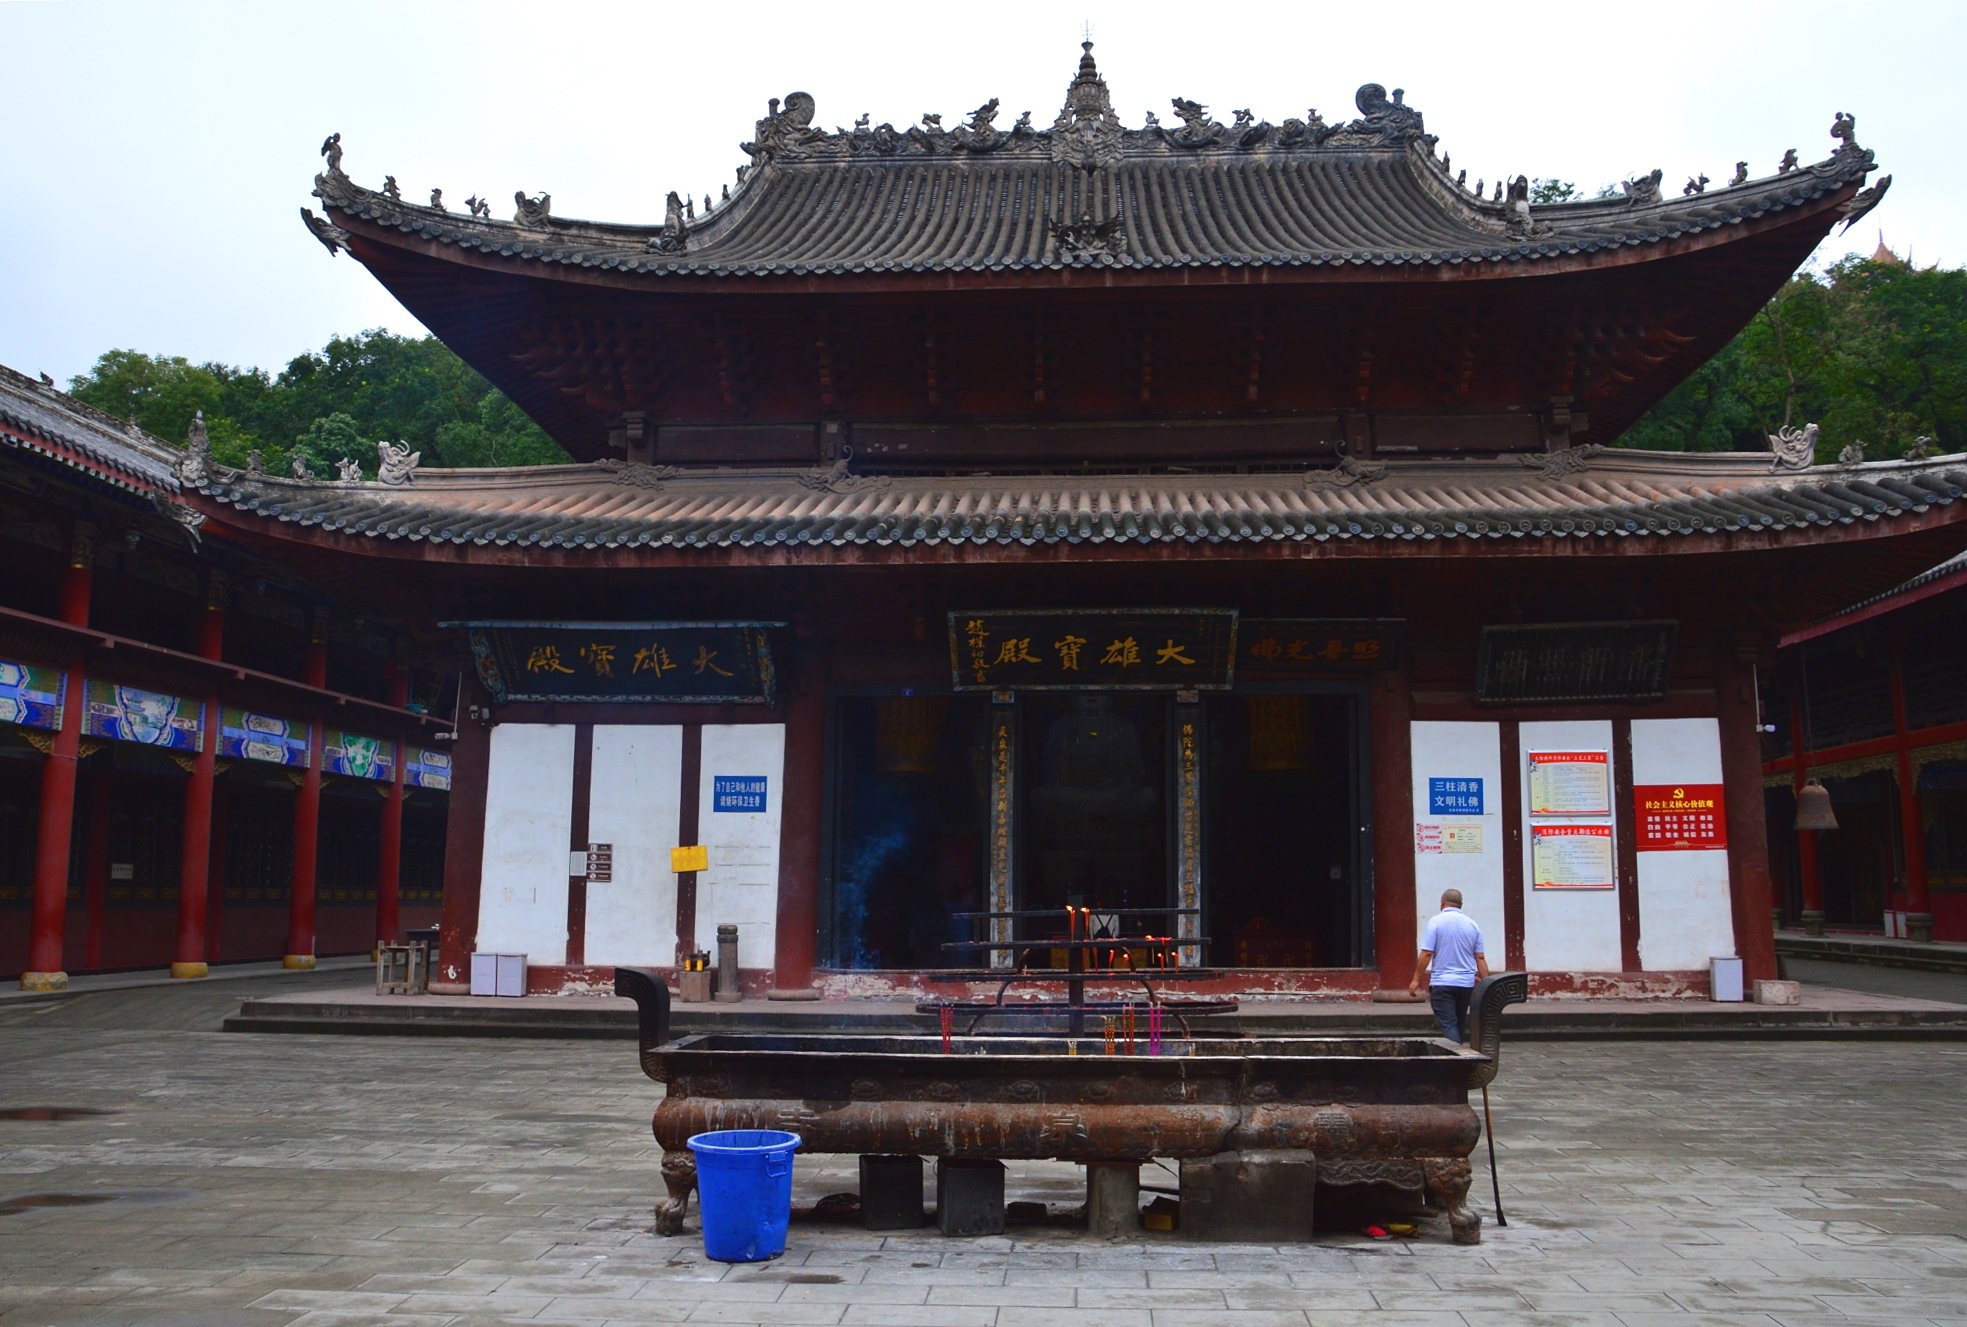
<point>498,974</point>
<point>1779,992</point>
<point>1725,979</point>
<point>1895,925</point>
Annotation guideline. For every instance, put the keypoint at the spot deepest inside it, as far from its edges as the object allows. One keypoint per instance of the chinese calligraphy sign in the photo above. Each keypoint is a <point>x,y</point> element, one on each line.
<point>1294,646</point>
<point>669,662</point>
<point>1183,649</point>
<point>1680,817</point>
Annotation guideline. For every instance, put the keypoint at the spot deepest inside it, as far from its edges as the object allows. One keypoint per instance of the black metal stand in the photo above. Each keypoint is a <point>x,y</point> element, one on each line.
<point>1489,1132</point>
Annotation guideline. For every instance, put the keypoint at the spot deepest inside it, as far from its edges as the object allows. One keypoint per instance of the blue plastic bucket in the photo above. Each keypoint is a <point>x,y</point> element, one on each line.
<point>744,1179</point>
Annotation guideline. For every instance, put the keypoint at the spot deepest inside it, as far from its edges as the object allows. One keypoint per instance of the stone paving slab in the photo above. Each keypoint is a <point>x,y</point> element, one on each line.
<point>340,1180</point>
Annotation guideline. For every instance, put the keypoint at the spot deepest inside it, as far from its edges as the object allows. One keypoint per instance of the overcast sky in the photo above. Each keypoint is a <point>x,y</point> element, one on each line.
<point>153,156</point>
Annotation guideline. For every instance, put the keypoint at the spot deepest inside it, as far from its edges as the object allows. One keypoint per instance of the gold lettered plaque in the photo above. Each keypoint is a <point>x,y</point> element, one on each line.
<point>1066,649</point>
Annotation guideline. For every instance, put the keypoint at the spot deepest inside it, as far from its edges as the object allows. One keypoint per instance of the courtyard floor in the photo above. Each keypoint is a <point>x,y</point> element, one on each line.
<point>234,1180</point>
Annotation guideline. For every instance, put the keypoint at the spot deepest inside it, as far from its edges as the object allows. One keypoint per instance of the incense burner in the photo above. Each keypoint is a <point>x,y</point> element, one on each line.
<point>1389,1109</point>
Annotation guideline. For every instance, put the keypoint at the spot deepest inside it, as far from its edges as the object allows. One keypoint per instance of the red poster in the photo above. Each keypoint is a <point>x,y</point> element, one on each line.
<point>1679,817</point>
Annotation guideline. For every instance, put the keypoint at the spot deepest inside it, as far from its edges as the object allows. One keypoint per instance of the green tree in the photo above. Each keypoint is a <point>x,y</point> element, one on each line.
<point>326,404</point>
<point>1872,350</point>
<point>1552,191</point>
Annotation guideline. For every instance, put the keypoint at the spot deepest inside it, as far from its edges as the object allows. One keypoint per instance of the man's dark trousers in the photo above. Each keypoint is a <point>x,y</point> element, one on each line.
<point>1451,1010</point>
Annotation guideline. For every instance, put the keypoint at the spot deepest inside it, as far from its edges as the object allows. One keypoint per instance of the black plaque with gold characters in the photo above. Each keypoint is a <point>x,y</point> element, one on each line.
<point>1296,646</point>
<point>669,662</point>
<point>1094,649</point>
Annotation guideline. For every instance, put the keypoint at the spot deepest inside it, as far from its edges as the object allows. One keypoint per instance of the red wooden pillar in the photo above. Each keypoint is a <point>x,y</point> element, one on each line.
<point>95,875</point>
<point>389,864</point>
<point>1390,720</point>
<point>1912,816</point>
<point>1741,790</point>
<point>307,813</point>
<point>55,828</point>
<point>799,835</point>
<point>1806,839</point>
<point>464,845</point>
<point>195,856</point>
<point>215,879</point>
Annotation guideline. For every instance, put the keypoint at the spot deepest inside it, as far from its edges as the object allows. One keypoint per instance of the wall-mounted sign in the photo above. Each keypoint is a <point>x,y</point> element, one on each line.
<point>428,769</point>
<point>1454,797</point>
<point>601,863</point>
<point>669,662</point>
<point>1571,856</point>
<point>1570,783</point>
<point>1574,661</point>
<point>125,714</point>
<point>1178,649</point>
<point>31,695</point>
<point>693,857</point>
<point>1679,817</point>
<point>357,757</point>
<point>244,735</point>
<point>737,792</point>
<point>1292,646</point>
<point>1461,836</point>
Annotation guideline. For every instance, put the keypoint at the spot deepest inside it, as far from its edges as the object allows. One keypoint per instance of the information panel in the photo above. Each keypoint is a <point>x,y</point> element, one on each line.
<point>1570,783</point>
<point>1178,649</point>
<point>1571,856</point>
<point>1679,817</point>
<point>670,662</point>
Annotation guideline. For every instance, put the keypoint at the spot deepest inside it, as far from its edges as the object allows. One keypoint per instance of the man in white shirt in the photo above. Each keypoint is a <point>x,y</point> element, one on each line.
<point>1452,961</point>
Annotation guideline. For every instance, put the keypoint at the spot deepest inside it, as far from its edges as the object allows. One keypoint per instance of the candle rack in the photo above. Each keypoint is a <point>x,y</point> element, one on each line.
<point>1080,944</point>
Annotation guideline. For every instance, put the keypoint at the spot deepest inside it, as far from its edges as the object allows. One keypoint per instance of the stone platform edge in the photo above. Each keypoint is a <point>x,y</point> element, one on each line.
<point>1911,955</point>
<point>577,1018</point>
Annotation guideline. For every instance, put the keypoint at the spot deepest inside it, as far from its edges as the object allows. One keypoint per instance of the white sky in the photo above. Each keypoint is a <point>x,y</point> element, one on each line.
<point>153,156</point>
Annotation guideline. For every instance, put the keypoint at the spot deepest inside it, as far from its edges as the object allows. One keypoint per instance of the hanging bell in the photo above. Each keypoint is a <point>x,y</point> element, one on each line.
<point>1813,807</point>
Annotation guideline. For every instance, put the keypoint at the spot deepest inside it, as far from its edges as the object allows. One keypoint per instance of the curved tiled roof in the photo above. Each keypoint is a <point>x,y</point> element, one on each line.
<point>1581,493</point>
<point>37,418</point>
<point>1087,192</point>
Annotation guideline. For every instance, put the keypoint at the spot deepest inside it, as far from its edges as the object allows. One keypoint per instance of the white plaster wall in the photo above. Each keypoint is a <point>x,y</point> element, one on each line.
<point>742,884</point>
<point>633,803</point>
<point>1459,751</point>
<point>1568,930</point>
<point>529,814</point>
<point>1686,916</point>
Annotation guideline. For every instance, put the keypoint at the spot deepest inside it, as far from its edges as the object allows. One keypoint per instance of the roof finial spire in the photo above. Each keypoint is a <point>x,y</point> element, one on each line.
<point>1086,65</point>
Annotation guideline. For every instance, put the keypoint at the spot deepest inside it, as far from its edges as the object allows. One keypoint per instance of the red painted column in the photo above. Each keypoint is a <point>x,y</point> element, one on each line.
<point>95,875</point>
<point>195,855</point>
<point>1741,790</point>
<point>464,845</point>
<point>215,879</point>
<point>1389,720</point>
<point>1912,815</point>
<point>799,834</point>
<point>389,864</point>
<point>1806,839</point>
<point>55,827</point>
<point>307,813</point>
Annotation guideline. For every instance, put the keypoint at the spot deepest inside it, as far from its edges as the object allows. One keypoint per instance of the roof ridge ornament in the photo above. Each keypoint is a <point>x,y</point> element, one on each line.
<point>1348,472</point>
<point>396,465</point>
<point>785,133</point>
<point>1793,448</point>
<point>637,474</point>
<point>1562,463</point>
<point>1853,209</point>
<point>333,238</point>
<point>531,212</point>
<point>1643,190</point>
<point>840,477</point>
<point>675,237</point>
<point>1087,133</point>
<point>194,467</point>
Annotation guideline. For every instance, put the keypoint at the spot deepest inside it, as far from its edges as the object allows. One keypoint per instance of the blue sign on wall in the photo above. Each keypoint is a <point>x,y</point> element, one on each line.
<point>737,792</point>
<point>1454,797</point>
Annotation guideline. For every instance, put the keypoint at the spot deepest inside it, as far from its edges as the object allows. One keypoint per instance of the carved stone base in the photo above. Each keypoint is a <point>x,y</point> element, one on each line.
<point>1447,1181</point>
<point>679,1176</point>
<point>44,981</point>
